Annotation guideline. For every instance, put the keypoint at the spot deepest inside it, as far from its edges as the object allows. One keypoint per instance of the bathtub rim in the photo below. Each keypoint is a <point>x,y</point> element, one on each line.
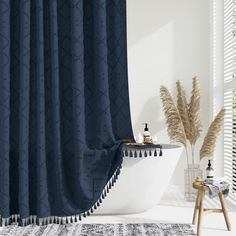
<point>170,146</point>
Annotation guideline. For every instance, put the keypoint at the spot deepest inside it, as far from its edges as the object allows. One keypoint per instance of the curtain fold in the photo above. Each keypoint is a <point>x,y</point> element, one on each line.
<point>64,106</point>
<point>24,91</point>
<point>5,107</point>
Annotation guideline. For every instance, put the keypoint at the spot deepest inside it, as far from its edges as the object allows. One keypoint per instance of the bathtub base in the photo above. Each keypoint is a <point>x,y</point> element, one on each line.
<point>141,183</point>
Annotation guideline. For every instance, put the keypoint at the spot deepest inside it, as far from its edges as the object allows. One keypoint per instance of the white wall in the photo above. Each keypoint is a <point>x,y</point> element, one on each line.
<point>167,40</point>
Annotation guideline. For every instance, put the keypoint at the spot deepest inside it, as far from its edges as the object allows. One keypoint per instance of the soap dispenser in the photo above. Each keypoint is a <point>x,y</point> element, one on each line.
<point>209,173</point>
<point>146,135</point>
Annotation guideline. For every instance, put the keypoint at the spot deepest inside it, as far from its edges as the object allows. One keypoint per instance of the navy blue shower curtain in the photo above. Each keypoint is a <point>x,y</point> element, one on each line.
<point>64,105</point>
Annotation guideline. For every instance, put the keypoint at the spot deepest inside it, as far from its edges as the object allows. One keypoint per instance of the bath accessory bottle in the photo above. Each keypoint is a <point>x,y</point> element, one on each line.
<point>209,172</point>
<point>146,135</point>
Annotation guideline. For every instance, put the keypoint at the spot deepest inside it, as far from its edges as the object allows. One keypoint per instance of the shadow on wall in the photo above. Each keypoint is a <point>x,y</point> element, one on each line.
<point>149,113</point>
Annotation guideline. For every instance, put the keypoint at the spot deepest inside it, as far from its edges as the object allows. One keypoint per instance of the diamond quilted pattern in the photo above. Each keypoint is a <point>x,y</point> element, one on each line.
<point>64,105</point>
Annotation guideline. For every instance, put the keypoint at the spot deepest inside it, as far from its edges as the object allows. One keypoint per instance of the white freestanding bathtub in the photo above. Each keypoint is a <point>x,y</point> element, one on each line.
<point>141,183</point>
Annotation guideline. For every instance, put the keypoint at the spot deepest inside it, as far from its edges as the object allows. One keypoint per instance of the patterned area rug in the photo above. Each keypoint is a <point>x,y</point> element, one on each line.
<point>99,230</point>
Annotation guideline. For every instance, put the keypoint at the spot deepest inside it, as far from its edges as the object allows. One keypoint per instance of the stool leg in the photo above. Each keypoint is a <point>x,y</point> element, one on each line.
<point>200,215</point>
<point>196,208</point>
<point>225,211</point>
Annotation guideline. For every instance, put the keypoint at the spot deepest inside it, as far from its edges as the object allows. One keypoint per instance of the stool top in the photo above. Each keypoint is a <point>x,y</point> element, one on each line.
<point>199,185</point>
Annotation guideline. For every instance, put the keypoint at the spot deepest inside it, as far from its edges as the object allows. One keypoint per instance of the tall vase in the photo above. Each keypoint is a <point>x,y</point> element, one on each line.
<point>190,174</point>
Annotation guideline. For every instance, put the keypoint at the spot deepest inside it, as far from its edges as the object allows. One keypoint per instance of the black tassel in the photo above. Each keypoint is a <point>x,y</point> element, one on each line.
<point>160,154</point>
<point>91,210</point>
<point>155,153</point>
<point>2,222</point>
<point>95,207</point>
<point>80,217</point>
<point>145,153</point>
<point>118,171</point>
<point>84,215</point>
<point>117,176</point>
<point>130,153</point>
<point>135,154</point>
<point>98,204</point>
<point>126,152</point>
<point>100,200</point>
<point>140,153</point>
<point>76,219</point>
<point>150,152</point>
<point>20,223</point>
<point>88,213</point>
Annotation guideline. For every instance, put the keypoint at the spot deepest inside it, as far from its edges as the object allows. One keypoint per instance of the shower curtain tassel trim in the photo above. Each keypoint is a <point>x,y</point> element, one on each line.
<point>33,219</point>
<point>142,152</point>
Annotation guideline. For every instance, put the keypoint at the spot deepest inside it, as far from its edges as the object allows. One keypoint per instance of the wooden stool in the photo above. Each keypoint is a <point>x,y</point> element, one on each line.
<point>200,210</point>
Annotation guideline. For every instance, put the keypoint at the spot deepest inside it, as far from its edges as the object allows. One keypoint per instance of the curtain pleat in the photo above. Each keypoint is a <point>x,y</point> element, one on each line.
<point>78,104</point>
<point>55,164</point>
<point>24,92</point>
<point>5,105</point>
<point>100,57</point>
<point>42,188</point>
<point>117,67</point>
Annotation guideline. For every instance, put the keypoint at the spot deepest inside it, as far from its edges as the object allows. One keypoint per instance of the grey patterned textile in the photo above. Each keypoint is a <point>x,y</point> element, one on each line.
<point>150,229</point>
<point>218,185</point>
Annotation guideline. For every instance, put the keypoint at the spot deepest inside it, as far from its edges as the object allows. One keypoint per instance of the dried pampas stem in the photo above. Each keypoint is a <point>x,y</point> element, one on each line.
<point>183,108</point>
<point>175,126</point>
<point>183,111</point>
<point>174,123</point>
<point>209,143</point>
<point>194,113</point>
